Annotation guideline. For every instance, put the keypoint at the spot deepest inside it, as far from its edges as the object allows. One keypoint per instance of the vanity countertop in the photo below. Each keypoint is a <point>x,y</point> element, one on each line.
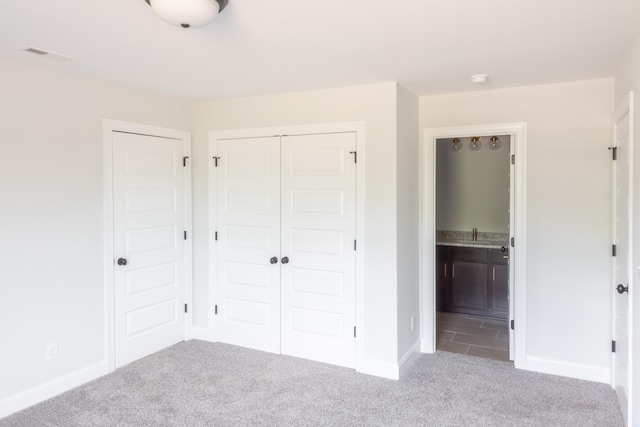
<point>464,239</point>
<point>488,244</point>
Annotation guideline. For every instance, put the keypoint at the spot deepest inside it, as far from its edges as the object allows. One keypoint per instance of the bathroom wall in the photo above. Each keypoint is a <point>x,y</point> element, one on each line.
<point>472,186</point>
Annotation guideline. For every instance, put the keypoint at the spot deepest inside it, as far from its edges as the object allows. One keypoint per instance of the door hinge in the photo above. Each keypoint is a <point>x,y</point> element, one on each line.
<point>355,156</point>
<point>184,161</point>
<point>513,324</point>
<point>354,245</point>
<point>185,308</point>
<point>185,234</point>
<point>215,310</point>
<point>216,236</point>
<point>215,159</point>
<point>513,242</point>
<point>513,159</point>
<point>614,250</point>
<point>613,346</point>
<point>614,153</point>
<point>354,331</point>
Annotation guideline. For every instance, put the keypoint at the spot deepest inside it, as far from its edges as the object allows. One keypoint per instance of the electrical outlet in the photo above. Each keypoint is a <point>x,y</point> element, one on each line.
<point>413,322</point>
<point>52,352</point>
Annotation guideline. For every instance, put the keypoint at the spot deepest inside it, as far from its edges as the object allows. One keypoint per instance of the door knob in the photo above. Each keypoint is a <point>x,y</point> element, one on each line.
<point>273,260</point>
<point>622,289</point>
<point>122,261</point>
<point>285,260</point>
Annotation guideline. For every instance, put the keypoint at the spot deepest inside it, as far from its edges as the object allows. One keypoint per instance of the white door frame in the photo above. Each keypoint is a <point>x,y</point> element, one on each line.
<point>108,127</point>
<point>359,129</point>
<point>518,133</point>
<point>626,108</point>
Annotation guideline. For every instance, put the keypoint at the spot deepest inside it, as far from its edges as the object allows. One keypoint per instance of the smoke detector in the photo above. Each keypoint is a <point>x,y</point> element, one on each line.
<point>479,79</point>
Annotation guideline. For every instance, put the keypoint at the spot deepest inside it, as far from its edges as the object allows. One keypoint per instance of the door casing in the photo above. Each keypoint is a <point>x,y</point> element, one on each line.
<point>108,127</point>
<point>359,129</point>
<point>518,134</point>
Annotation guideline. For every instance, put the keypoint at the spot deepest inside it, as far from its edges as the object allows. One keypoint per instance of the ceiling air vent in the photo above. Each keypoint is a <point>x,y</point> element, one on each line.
<point>46,54</point>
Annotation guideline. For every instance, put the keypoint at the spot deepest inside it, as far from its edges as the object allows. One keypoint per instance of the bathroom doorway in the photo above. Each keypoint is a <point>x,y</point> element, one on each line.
<point>473,255</point>
<point>472,245</point>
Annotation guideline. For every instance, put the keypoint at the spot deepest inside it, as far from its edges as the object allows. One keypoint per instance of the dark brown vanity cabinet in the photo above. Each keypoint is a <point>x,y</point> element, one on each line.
<point>473,280</point>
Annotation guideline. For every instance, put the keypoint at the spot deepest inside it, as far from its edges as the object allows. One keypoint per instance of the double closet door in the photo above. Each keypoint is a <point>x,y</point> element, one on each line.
<point>285,262</point>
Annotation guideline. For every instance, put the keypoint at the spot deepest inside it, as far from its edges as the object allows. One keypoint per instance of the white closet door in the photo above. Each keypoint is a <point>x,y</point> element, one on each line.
<point>248,177</point>
<point>149,218</point>
<point>318,232</point>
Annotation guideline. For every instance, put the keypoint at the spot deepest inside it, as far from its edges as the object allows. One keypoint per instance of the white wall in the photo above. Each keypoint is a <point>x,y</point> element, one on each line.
<point>51,278</point>
<point>374,104</point>
<point>407,167</point>
<point>472,187</point>
<point>51,274</point>
<point>627,79</point>
<point>568,214</point>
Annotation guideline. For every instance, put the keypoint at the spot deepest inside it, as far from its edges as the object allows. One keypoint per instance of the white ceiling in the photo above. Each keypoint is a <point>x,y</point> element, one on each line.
<point>258,47</point>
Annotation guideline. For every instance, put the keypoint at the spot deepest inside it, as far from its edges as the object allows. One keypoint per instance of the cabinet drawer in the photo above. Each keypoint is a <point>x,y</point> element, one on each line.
<point>499,257</point>
<point>468,254</point>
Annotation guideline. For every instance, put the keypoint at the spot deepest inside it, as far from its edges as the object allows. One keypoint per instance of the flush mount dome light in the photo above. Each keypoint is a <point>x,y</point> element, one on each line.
<point>187,13</point>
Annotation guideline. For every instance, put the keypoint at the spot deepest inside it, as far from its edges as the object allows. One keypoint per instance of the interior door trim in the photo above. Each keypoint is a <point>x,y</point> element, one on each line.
<point>358,127</point>
<point>518,133</point>
<point>110,126</point>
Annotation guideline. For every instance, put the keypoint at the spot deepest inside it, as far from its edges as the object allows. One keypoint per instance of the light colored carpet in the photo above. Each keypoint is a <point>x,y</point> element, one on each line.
<point>204,384</point>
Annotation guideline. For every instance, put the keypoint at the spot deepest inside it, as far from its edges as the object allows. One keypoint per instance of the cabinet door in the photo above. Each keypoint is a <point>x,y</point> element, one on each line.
<point>469,285</point>
<point>443,271</point>
<point>500,288</point>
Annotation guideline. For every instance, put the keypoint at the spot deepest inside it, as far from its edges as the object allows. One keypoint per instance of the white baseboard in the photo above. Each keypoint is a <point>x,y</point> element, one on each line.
<point>379,369</point>
<point>201,334</point>
<point>565,369</point>
<point>410,356</point>
<point>48,390</point>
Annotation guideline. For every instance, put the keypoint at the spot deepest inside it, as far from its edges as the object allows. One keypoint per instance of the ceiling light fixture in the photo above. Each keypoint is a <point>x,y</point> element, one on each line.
<point>479,79</point>
<point>187,13</point>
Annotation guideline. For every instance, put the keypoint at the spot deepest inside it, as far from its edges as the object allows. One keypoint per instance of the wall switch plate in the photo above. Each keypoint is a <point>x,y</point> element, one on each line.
<point>52,352</point>
<point>413,322</point>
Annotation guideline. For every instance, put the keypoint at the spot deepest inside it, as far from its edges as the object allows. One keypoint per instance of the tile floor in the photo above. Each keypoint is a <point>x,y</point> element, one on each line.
<point>473,335</point>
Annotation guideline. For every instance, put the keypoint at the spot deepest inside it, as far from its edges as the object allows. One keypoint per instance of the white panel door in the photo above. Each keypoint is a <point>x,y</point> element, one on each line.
<point>318,237</point>
<point>512,250</point>
<point>248,268</point>
<point>622,263</point>
<point>149,247</point>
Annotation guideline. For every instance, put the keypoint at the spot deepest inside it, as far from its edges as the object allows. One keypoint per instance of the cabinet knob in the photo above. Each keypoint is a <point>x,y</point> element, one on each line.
<point>273,260</point>
<point>285,260</point>
<point>622,289</point>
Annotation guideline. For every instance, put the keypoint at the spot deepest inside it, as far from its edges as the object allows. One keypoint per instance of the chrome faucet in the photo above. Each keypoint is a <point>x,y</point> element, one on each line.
<point>474,235</point>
